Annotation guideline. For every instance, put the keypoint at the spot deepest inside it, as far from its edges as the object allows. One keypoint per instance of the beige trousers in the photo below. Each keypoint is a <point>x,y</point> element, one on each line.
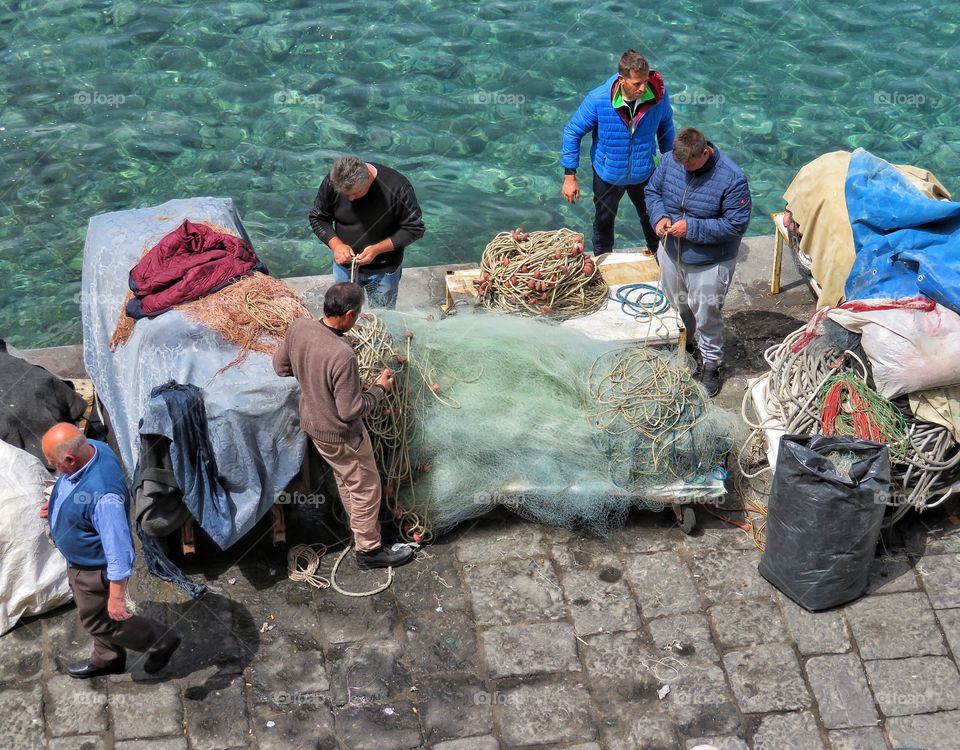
<point>355,470</point>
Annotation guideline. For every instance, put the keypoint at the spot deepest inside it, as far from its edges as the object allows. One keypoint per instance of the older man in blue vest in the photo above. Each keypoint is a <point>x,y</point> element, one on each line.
<point>629,117</point>
<point>88,515</point>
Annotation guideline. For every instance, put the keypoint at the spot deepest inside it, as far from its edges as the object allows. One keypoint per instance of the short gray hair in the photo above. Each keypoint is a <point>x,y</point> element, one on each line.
<point>349,173</point>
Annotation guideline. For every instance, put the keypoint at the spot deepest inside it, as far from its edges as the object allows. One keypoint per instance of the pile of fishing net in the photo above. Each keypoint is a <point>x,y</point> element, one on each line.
<point>540,274</point>
<point>491,410</point>
<point>821,385</point>
<point>252,313</point>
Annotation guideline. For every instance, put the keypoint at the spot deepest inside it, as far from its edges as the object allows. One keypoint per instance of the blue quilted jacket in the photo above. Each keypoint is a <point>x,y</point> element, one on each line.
<point>621,154</point>
<point>716,205</point>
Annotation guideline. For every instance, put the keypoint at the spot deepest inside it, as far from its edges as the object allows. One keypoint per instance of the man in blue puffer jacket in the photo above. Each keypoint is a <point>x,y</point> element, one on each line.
<point>629,116</point>
<point>699,201</point>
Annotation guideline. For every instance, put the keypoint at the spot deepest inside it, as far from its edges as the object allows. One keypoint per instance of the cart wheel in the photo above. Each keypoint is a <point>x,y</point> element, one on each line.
<point>688,521</point>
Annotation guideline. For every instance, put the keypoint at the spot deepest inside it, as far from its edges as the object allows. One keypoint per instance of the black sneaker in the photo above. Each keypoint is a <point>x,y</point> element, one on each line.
<point>710,379</point>
<point>384,557</point>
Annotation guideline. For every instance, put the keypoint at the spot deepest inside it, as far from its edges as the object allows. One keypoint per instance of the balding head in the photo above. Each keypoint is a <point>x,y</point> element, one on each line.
<point>66,448</point>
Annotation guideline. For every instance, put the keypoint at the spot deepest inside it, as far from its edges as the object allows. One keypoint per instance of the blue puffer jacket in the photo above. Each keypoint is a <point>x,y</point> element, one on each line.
<point>621,155</point>
<point>716,205</point>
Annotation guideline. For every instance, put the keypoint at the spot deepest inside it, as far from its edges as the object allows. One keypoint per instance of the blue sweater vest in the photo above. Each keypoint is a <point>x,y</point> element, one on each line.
<point>74,533</point>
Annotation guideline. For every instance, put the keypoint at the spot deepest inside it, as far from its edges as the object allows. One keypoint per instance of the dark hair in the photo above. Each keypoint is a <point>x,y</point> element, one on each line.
<point>342,298</point>
<point>632,61</point>
<point>690,144</point>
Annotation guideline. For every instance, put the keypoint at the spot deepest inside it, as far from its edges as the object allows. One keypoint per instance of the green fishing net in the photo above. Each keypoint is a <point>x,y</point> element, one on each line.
<point>491,410</point>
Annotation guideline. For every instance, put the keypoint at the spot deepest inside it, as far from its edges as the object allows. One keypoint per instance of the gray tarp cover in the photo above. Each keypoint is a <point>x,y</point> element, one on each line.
<point>252,413</point>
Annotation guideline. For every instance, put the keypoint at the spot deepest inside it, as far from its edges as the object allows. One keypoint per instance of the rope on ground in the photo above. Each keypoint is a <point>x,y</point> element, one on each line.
<point>540,273</point>
<point>641,301</point>
<point>303,561</point>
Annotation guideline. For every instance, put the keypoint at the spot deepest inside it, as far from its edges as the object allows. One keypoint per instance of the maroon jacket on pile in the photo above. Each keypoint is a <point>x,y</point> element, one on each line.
<point>191,261</point>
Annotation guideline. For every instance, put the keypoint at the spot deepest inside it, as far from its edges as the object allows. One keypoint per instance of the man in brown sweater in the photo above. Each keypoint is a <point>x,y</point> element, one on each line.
<point>332,405</point>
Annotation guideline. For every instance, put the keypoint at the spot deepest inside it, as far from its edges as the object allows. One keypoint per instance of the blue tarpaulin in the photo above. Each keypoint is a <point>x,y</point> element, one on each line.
<point>906,243</point>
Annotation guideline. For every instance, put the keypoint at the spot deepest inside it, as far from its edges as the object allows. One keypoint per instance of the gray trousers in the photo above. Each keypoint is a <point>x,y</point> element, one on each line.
<point>698,293</point>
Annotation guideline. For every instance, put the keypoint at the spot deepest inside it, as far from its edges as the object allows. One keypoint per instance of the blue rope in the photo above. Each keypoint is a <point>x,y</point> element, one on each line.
<point>641,301</point>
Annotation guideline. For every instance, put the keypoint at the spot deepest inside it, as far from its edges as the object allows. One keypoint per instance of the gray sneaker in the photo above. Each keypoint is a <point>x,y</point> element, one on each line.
<point>384,557</point>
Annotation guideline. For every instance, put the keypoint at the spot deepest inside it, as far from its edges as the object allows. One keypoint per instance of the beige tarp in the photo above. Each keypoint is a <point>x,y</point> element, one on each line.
<point>817,200</point>
<point>939,406</point>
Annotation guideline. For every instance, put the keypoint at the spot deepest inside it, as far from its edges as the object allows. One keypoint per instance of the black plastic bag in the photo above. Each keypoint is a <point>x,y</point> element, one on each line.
<point>823,526</point>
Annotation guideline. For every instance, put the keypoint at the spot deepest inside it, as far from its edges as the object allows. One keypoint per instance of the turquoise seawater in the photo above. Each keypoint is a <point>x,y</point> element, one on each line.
<point>113,105</point>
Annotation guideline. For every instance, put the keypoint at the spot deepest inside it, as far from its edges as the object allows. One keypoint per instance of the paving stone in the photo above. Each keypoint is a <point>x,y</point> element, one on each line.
<point>392,727</point>
<point>368,671</point>
<point>497,539</point>
<point>513,591</point>
<point>21,723</point>
<point>701,702</point>
<point>21,654</point>
<point>766,678</point>
<point>470,743</point>
<point>153,712</point>
<point>894,626</point>
<point>624,659</point>
<point>541,648</point>
<point>941,578</point>
<point>840,687</point>
<point>168,743</point>
<point>864,738</point>
<point>440,643</point>
<point>814,632</point>
<point>596,592</point>
<point>721,743</point>
<point>543,712</point>
<point>583,746</point>
<point>645,532</point>
<point>928,731</point>
<point>891,574</point>
<point>729,576</point>
<point>216,718</point>
<point>662,584</point>
<point>950,622</point>
<point>346,619</point>
<point>79,742</point>
<point>631,723</point>
<point>797,731</point>
<point>714,534</point>
<point>921,684</point>
<point>685,637</point>
<point>304,727</point>
<point>431,584</point>
<point>288,664</point>
<point>454,706</point>
<point>75,706</point>
<point>930,534</point>
<point>747,623</point>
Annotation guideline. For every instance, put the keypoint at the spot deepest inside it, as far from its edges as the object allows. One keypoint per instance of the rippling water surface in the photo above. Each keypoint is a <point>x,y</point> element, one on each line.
<point>113,105</point>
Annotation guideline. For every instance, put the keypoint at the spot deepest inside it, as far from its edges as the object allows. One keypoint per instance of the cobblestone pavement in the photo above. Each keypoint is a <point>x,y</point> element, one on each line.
<point>512,635</point>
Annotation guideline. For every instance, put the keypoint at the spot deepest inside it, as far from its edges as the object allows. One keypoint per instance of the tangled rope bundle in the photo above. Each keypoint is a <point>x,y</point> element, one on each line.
<point>924,468</point>
<point>540,273</point>
<point>848,406</point>
<point>651,408</point>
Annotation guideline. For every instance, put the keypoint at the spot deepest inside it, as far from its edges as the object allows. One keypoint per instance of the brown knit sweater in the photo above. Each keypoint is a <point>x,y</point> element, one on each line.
<point>332,400</point>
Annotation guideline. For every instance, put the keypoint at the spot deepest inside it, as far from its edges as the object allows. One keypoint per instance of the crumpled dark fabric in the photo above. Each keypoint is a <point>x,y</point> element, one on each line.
<point>190,262</point>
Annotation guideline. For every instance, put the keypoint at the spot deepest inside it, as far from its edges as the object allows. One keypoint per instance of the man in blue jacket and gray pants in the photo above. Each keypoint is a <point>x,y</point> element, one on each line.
<point>629,116</point>
<point>700,203</point>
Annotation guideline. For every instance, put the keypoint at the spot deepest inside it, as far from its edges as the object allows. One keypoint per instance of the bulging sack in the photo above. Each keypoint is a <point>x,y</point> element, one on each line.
<point>824,516</point>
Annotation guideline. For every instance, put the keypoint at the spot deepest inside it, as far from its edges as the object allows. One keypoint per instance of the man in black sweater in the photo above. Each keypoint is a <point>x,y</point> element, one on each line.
<point>367,214</point>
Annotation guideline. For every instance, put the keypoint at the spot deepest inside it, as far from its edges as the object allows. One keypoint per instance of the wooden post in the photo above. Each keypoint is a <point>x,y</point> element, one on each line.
<point>777,253</point>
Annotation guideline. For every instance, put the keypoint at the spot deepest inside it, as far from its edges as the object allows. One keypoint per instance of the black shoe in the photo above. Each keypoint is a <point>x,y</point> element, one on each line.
<point>384,557</point>
<point>710,380</point>
<point>84,670</point>
<point>158,659</point>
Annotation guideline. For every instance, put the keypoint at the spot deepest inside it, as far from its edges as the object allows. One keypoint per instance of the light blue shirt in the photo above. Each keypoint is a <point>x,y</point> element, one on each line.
<point>109,519</point>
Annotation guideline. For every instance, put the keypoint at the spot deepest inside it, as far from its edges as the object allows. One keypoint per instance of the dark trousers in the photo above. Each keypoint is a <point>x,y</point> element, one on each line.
<point>111,638</point>
<point>606,201</point>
